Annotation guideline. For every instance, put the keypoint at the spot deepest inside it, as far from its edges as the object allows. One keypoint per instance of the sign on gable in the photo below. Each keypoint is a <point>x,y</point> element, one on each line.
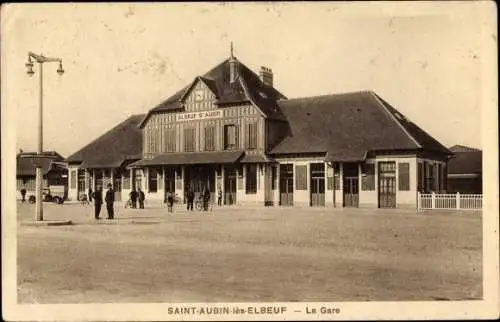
<point>198,115</point>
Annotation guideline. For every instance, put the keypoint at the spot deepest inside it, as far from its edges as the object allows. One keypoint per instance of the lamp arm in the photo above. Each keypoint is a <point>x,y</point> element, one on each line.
<point>43,59</point>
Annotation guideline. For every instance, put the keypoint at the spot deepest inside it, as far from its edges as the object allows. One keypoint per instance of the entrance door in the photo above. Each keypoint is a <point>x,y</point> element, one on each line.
<point>286,184</point>
<point>351,185</point>
<point>169,181</point>
<point>317,184</point>
<point>351,193</point>
<point>387,184</point>
<point>230,186</point>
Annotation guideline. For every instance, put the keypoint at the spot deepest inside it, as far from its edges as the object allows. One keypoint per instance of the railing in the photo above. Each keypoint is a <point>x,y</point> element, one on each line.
<point>449,201</point>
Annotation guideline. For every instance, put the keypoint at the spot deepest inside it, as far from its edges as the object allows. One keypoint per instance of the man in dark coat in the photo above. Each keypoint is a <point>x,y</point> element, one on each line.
<point>133,198</point>
<point>23,194</point>
<point>190,199</point>
<point>110,199</point>
<point>206,198</point>
<point>90,194</point>
<point>97,202</point>
<point>141,198</point>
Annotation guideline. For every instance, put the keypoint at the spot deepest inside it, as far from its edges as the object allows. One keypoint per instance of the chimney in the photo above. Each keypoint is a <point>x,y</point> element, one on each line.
<point>266,76</point>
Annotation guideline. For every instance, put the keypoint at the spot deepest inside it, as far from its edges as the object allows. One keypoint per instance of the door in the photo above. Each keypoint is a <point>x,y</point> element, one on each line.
<point>351,192</point>
<point>286,184</point>
<point>229,186</point>
<point>169,181</point>
<point>387,184</point>
<point>317,184</point>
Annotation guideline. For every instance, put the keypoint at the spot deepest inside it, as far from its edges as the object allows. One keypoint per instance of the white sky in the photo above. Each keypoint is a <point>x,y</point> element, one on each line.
<point>121,59</point>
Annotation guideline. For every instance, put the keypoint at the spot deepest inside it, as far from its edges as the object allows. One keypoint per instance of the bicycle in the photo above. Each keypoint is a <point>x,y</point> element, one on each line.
<point>198,204</point>
<point>84,201</point>
<point>128,204</point>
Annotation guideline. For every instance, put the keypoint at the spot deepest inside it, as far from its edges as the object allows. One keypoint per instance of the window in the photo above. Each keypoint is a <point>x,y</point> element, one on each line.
<point>420,175</point>
<point>251,136</point>
<point>231,137</point>
<point>169,140</point>
<point>153,140</point>
<point>429,178</point>
<point>251,179</point>
<point>126,179</point>
<point>81,180</point>
<point>368,177</point>
<point>301,177</point>
<point>189,139</point>
<point>153,180</point>
<point>210,138</point>
<point>404,176</point>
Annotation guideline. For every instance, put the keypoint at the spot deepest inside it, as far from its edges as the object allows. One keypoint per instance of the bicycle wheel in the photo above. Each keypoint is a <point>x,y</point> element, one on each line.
<point>199,206</point>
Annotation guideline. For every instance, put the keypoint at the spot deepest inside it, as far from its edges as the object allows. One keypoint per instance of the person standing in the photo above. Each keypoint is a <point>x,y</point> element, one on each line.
<point>133,198</point>
<point>23,194</point>
<point>90,194</point>
<point>219,196</point>
<point>110,199</point>
<point>190,199</point>
<point>141,199</point>
<point>206,198</point>
<point>170,201</point>
<point>97,202</point>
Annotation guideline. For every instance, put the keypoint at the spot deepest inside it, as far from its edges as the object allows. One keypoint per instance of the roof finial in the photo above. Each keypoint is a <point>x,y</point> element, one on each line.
<point>232,56</point>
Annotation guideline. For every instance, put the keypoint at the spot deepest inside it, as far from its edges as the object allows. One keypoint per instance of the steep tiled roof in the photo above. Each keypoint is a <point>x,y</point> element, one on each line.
<point>247,88</point>
<point>348,126</point>
<point>121,143</point>
<point>25,162</point>
<point>466,163</point>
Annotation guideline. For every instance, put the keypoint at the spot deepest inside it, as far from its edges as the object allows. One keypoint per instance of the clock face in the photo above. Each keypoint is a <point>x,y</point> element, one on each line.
<point>198,95</point>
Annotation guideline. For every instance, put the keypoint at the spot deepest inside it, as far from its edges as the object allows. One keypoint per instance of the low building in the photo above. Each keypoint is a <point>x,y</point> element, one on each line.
<point>465,170</point>
<point>231,129</point>
<point>53,169</point>
<point>105,159</point>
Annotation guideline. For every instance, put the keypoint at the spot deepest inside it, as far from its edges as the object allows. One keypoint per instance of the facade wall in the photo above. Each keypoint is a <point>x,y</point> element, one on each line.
<point>200,112</point>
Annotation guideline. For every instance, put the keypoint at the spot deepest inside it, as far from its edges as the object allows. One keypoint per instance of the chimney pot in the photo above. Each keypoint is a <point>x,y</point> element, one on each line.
<point>266,75</point>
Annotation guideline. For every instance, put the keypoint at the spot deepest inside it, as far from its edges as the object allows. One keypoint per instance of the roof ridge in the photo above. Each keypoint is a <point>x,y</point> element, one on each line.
<point>328,95</point>
<point>381,103</point>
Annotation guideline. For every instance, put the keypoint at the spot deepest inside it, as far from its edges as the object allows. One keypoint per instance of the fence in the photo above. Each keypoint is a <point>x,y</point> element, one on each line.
<point>449,201</point>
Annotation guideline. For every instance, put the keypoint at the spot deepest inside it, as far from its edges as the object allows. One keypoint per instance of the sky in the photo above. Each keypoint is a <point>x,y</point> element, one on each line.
<point>425,59</point>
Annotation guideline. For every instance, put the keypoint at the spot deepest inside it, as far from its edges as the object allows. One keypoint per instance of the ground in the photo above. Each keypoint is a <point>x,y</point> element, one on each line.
<point>249,255</point>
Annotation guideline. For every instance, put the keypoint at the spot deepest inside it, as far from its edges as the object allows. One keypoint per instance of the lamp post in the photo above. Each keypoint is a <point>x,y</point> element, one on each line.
<point>40,59</point>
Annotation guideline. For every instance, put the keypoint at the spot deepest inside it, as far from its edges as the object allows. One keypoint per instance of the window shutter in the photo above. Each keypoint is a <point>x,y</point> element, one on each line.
<point>301,177</point>
<point>368,177</point>
<point>404,176</point>
<point>237,136</point>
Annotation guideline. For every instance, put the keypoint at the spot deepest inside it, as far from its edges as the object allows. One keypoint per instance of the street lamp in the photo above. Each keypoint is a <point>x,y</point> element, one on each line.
<point>40,59</point>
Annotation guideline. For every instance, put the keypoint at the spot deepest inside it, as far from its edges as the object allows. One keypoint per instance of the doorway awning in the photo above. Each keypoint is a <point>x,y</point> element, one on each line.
<point>224,157</point>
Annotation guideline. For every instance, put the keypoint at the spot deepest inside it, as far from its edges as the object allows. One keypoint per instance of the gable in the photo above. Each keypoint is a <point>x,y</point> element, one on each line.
<point>199,97</point>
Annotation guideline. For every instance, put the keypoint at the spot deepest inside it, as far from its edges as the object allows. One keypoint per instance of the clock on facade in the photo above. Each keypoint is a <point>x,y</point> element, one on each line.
<point>198,95</point>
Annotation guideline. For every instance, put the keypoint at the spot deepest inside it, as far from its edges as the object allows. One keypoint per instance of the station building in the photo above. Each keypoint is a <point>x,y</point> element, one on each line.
<point>53,170</point>
<point>230,128</point>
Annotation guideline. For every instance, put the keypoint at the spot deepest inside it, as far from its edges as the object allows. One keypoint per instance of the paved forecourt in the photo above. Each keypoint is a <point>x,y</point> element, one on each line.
<point>248,254</point>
